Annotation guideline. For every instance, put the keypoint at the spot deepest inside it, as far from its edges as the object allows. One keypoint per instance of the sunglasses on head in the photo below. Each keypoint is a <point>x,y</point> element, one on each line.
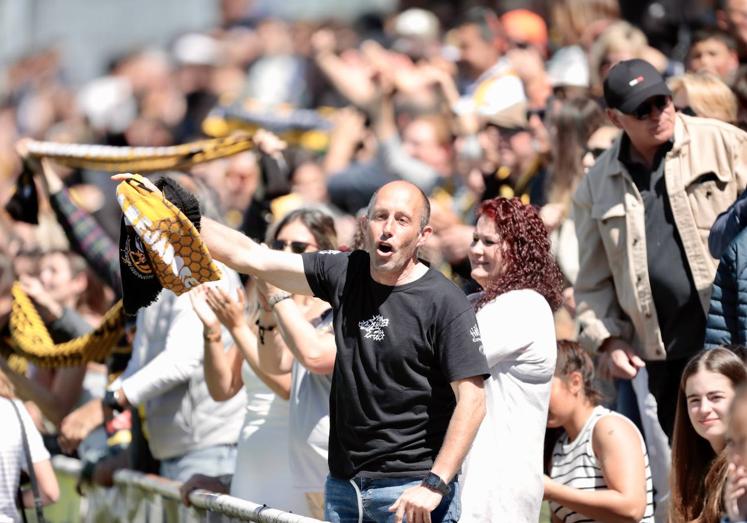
<point>644,110</point>
<point>296,247</point>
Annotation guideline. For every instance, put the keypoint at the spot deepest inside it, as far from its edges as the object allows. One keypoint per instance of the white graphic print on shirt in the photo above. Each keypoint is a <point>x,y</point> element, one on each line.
<point>374,327</point>
<point>475,332</point>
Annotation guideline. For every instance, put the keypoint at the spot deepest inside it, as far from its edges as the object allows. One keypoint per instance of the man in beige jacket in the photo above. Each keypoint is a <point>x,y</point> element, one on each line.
<point>643,214</point>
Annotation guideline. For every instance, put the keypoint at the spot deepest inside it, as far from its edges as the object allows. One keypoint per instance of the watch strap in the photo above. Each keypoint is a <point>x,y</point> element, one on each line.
<point>110,400</point>
<point>436,484</point>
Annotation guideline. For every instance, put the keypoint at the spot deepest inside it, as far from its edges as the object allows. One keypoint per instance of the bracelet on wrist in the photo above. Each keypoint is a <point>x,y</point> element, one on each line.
<point>211,334</point>
<point>277,298</point>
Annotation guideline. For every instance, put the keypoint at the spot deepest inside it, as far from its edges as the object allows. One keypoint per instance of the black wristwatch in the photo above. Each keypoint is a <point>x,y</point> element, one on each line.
<point>436,484</point>
<point>110,400</point>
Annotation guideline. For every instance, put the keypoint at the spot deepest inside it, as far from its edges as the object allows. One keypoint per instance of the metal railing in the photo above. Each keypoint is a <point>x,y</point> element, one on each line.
<point>144,497</point>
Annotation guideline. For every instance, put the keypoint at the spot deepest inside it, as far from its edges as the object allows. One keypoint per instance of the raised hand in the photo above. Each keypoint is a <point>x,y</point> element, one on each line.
<point>229,311</point>
<point>51,176</point>
<point>198,297</point>
<point>268,142</point>
<point>48,307</point>
<point>145,182</point>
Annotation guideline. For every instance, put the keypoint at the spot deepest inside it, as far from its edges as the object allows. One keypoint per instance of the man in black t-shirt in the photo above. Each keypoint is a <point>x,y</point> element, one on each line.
<point>407,391</point>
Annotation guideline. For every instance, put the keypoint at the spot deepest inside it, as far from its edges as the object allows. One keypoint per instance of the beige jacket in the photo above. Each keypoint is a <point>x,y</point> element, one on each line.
<point>705,171</point>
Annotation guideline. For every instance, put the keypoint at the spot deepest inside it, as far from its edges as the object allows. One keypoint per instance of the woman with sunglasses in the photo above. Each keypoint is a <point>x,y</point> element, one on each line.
<point>296,337</point>
<point>572,125</point>
<point>289,346</point>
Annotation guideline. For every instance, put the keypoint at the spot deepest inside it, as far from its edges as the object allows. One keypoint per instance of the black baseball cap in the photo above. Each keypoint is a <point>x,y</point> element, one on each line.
<point>630,83</point>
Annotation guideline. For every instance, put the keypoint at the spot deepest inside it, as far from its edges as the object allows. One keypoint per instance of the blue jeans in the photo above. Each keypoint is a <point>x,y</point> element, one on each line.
<point>341,500</point>
<point>211,461</point>
<point>626,402</point>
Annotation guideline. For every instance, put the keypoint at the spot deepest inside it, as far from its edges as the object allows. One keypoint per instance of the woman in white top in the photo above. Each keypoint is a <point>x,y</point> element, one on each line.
<point>511,260</point>
<point>13,458</point>
<point>599,467</point>
<point>282,454</point>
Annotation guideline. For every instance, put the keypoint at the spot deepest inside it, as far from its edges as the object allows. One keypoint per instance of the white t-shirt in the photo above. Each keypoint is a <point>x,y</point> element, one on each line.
<point>309,428</point>
<point>263,473</point>
<point>502,476</point>
<point>12,456</point>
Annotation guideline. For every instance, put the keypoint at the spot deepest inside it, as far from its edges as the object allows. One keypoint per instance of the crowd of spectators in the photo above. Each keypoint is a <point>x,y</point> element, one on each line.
<point>584,171</point>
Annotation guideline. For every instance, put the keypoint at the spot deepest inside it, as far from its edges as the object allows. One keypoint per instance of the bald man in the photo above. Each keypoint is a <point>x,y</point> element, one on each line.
<point>407,388</point>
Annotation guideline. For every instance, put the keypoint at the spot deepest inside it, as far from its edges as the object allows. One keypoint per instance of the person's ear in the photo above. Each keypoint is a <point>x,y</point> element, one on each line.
<point>575,382</point>
<point>614,117</point>
<point>424,235</point>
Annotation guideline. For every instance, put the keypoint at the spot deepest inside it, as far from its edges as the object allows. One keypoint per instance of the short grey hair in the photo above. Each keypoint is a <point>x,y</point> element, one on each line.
<point>425,217</point>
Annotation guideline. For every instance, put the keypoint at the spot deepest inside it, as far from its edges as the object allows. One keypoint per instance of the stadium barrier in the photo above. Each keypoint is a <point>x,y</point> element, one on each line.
<point>138,497</point>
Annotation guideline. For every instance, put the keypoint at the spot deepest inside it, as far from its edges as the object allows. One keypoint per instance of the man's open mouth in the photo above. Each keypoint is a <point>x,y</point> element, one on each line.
<point>384,248</point>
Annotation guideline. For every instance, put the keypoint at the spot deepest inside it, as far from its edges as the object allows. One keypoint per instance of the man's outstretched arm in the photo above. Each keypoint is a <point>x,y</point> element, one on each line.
<point>241,253</point>
<point>282,269</point>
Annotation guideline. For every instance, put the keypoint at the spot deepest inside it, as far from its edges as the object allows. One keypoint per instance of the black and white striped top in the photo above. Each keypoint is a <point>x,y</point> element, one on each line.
<point>575,465</point>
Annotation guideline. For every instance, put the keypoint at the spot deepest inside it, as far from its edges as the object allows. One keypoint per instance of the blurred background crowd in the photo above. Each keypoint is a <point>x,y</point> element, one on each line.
<point>467,100</point>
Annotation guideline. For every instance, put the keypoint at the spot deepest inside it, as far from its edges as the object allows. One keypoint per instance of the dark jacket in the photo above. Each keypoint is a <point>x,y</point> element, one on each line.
<point>727,314</point>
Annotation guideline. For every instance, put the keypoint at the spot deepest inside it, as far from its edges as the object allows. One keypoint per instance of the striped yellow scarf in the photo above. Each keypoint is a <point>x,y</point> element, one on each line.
<point>30,339</point>
<point>167,244</point>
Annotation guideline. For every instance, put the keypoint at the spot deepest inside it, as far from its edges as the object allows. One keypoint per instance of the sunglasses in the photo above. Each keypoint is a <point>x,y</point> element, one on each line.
<point>686,110</point>
<point>540,113</point>
<point>296,247</point>
<point>518,44</point>
<point>644,110</point>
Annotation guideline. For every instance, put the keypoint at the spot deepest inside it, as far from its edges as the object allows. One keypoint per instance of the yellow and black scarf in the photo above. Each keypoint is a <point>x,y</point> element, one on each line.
<point>160,244</point>
<point>30,339</point>
<point>140,159</point>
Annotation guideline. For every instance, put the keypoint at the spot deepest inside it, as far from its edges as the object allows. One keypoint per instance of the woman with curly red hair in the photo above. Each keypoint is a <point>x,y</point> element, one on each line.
<point>511,260</point>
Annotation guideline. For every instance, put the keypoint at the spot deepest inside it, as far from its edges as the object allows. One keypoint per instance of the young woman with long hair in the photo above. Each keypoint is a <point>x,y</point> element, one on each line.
<point>597,463</point>
<point>698,459</point>
<point>511,260</point>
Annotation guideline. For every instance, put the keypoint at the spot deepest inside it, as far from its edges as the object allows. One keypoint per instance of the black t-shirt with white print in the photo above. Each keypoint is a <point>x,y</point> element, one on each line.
<point>398,349</point>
